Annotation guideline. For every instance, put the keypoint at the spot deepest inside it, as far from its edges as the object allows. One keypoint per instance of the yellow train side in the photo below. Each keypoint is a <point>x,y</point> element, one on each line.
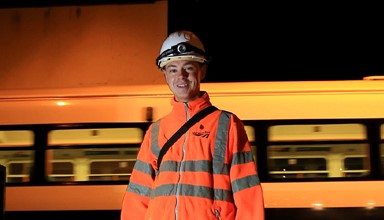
<point>281,119</point>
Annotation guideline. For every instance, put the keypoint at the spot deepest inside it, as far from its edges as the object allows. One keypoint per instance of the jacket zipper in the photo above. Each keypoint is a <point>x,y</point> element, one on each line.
<point>217,214</point>
<point>181,165</point>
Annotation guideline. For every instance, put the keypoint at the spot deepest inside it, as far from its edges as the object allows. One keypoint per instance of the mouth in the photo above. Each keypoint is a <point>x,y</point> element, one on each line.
<point>183,85</point>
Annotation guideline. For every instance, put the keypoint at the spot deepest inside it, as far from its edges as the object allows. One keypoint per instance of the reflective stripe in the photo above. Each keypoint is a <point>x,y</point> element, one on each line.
<point>154,138</point>
<point>219,167</point>
<point>224,195</point>
<point>139,189</point>
<point>192,166</point>
<point>242,157</point>
<point>184,190</point>
<point>143,167</point>
<point>191,190</point>
<point>155,149</point>
<point>245,182</point>
<point>221,145</point>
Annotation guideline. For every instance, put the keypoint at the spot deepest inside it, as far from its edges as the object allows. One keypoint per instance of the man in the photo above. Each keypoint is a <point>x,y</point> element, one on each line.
<point>209,172</point>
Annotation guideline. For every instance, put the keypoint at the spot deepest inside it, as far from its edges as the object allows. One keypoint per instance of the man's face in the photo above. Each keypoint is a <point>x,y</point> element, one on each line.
<point>183,78</point>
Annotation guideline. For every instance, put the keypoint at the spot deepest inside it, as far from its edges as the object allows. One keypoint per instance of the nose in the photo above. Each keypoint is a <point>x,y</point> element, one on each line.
<point>183,72</point>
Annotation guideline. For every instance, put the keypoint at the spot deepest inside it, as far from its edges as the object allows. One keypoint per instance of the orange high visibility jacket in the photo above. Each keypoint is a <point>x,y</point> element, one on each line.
<point>208,173</point>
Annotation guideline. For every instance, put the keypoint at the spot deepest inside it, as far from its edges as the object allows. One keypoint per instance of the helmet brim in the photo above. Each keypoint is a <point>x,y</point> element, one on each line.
<point>166,60</point>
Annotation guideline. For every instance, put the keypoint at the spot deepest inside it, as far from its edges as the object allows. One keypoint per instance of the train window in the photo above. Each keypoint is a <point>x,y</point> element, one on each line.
<point>22,138</point>
<point>355,166</point>
<point>317,132</point>
<point>382,158</point>
<point>298,167</point>
<point>382,148</point>
<point>111,170</point>
<point>251,137</point>
<point>95,136</point>
<point>92,154</point>
<point>250,132</point>
<point>19,170</point>
<point>87,164</point>
<point>19,155</point>
<point>62,171</point>
<point>317,151</point>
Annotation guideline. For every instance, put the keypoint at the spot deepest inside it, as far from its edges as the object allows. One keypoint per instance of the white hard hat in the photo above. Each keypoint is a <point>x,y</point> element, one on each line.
<point>181,45</point>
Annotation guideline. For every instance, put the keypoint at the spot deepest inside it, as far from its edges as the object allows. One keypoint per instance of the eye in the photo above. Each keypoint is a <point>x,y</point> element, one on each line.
<point>171,70</point>
<point>190,68</point>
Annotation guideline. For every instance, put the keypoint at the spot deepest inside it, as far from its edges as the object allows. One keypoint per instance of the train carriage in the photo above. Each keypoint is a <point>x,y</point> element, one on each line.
<point>318,145</point>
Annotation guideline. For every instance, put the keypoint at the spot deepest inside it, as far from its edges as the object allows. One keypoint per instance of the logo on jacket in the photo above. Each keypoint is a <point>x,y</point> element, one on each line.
<point>202,133</point>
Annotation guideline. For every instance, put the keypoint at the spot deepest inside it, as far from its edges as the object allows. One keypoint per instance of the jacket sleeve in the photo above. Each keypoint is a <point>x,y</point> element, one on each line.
<point>245,183</point>
<point>137,196</point>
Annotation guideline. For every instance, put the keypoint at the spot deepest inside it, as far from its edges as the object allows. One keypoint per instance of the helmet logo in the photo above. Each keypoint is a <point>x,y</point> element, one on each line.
<point>181,48</point>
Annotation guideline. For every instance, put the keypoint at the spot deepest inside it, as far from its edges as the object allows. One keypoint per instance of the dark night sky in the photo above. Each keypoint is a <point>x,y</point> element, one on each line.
<point>286,42</point>
<point>272,41</point>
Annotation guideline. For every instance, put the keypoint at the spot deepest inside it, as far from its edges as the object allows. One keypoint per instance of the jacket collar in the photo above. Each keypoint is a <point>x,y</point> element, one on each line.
<point>181,109</point>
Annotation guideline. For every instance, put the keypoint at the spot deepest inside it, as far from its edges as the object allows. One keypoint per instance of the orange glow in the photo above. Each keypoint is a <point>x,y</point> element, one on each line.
<point>61,103</point>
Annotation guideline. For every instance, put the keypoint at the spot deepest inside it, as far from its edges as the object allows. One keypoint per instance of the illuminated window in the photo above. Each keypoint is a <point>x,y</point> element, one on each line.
<point>95,136</point>
<point>92,154</point>
<point>382,148</point>
<point>318,151</point>
<point>17,138</point>
<point>18,162</point>
<point>251,137</point>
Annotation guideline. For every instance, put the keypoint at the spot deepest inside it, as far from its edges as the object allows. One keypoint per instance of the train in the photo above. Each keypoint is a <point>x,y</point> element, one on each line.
<point>318,146</point>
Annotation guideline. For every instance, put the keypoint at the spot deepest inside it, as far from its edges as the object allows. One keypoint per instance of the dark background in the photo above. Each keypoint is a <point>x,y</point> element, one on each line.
<point>251,41</point>
<point>273,41</point>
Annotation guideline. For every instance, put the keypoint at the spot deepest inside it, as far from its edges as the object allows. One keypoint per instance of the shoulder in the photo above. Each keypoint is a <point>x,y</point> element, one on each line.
<point>232,117</point>
<point>155,124</point>
<point>227,113</point>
